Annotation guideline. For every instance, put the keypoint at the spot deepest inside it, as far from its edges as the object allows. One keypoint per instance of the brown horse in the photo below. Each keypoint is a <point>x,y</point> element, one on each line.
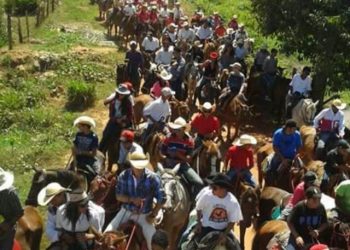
<point>179,108</point>
<point>114,20</point>
<point>111,241</point>
<point>265,233</point>
<point>308,136</point>
<point>140,103</point>
<point>261,155</point>
<point>129,29</point>
<point>207,160</point>
<point>152,147</point>
<point>30,229</point>
<point>103,7</point>
<point>208,48</point>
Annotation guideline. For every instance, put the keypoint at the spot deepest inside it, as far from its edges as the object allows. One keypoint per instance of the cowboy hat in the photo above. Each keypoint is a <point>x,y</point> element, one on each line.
<point>220,180</point>
<point>49,192</point>
<point>178,123</point>
<point>185,24</point>
<point>236,65</point>
<point>338,104</point>
<point>198,44</point>
<point>215,13</point>
<point>230,31</point>
<point>123,90</point>
<point>207,106</point>
<point>245,139</point>
<point>165,75</point>
<point>133,43</point>
<point>138,160</point>
<point>177,3</point>
<point>86,120</point>
<point>234,16</point>
<point>6,179</point>
<point>166,91</point>
<point>78,196</point>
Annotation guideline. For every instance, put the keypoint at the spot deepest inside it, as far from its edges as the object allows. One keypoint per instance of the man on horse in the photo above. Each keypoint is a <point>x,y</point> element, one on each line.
<point>186,33</point>
<point>129,10</point>
<point>136,188</point>
<point>300,87</point>
<point>307,220</point>
<point>10,210</point>
<point>336,163</point>
<point>177,69</point>
<point>163,14</point>
<point>260,57</point>
<point>165,54</point>
<point>233,24</point>
<point>269,73</point>
<point>150,44</point>
<point>286,144</point>
<point>178,148</point>
<point>241,33</point>
<point>329,124</point>
<point>178,12</point>
<point>240,156</point>
<point>157,113</point>
<point>134,66</point>
<point>205,125</point>
<point>205,31</point>
<point>85,147</point>
<point>217,210</point>
<point>53,196</point>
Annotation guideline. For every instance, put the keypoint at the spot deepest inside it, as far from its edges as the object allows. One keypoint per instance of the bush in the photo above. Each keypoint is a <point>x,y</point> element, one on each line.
<point>80,95</point>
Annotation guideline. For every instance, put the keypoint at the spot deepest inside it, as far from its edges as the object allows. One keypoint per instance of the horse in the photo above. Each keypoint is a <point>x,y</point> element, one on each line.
<point>103,7</point>
<point>210,242</point>
<point>152,147</point>
<point>304,112</point>
<point>111,241</point>
<point>30,229</point>
<point>177,206</point>
<point>179,108</point>
<point>338,233</point>
<point>191,77</point>
<point>130,29</point>
<point>121,73</point>
<point>207,161</point>
<point>261,155</point>
<point>140,102</point>
<point>114,20</point>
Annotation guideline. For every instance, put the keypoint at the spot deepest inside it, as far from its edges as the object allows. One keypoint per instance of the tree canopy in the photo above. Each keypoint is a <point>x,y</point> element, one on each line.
<point>318,30</point>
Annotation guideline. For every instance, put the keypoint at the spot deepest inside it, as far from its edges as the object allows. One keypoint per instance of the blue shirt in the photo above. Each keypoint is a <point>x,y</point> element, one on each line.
<point>235,81</point>
<point>85,142</point>
<point>288,145</point>
<point>149,186</point>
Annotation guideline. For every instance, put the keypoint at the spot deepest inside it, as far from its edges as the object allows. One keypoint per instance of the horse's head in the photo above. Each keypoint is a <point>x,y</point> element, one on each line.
<point>249,201</point>
<point>39,181</point>
<point>113,240</point>
<point>310,111</point>
<point>340,236</point>
<point>169,180</point>
<point>212,155</point>
<point>99,188</point>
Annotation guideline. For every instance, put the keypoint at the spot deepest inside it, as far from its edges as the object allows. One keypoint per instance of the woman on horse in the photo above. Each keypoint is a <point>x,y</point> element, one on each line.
<point>120,117</point>
<point>85,147</point>
<point>162,81</point>
<point>78,221</point>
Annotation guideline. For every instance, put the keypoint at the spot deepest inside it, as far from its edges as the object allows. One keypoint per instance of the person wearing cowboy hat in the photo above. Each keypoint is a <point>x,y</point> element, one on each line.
<point>177,148</point>
<point>241,33</point>
<point>240,159</point>
<point>240,51</point>
<point>120,117</point>
<point>157,113</point>
<point>216,19</point>
<point>143,16</point>
<point>233,24</point>
<point>53,196</point>
<point>330,126</point>
<point>163,14</point>
<point>205,125</point>
<point>165,53</point>
<point>135,65</point>
<point>217,210</point>
<point>136,189</point>
<point>150,43</point>
<point>309,180</point>
<point>178,12</point>
<point>205,31</point>
<point>171,32</point>
<point>270,68</point>
<point>10,210</point>
<point>129,10</point>
<point>85,146</point>
<point>163,78</point>
<point>177,69</point>
<point>220,30</point>
<point>79,221</point>
<point>186,33</point>
<point>153,15</point>
<point>196,52</point>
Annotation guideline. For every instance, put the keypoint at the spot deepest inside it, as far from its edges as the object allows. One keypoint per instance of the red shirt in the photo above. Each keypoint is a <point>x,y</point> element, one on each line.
<point>169,21</point>
<point>205,125</point>
<point>233,24</point>
<point>220,31</point>
<point>239,157</point>
<point>143,17</point>
<point>153,17</point>
<point>298,195</point>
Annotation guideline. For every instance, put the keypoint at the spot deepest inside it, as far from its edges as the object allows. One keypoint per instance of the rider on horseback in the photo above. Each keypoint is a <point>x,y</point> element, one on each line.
<point>241,159</point>
<point>300,87</point>
<point>269,73</point>
<point>177,148</point>
<point>136,188</point>
<point>329,124</point>
<point>205,124</point>
<point>129,10</point>
<point>162,81</point>
<point>134,66</point>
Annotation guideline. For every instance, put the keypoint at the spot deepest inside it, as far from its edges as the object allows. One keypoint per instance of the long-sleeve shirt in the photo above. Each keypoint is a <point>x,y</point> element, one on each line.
<point>50,229</point>
<point>328,121</point>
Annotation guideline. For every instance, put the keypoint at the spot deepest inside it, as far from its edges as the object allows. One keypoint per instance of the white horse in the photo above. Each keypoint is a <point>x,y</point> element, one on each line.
<point>304,112</point>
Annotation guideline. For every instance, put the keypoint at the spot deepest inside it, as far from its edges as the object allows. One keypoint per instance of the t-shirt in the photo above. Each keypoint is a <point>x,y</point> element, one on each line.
<point>298,195</point>
<point>235,81</point>
<point>85,142</point>
<point>288,145</point>
<point>204,33</point>
<point>239,157</point>
<point>301,85</point>
<point>305,219</point>
<point>205,125</point>
<point>158,110</point>
<point>218,212</point>
<point>150,45</point>
<point>174,144</point>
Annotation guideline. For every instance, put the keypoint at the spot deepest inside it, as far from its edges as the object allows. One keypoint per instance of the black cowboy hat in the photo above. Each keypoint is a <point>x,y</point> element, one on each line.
<point>220,180</point>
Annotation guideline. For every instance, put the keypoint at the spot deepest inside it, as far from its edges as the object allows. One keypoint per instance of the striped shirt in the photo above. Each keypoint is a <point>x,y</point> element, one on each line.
<point>173,144</point>
<point>149,186</point>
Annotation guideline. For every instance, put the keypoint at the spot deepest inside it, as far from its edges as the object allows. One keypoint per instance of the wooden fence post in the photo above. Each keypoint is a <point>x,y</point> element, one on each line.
<point>9,31</point>
<point>19,26</point>
<point>27,25</point>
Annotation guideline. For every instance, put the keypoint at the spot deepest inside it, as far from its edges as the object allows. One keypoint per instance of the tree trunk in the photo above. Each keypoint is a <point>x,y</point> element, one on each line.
<point>27,25</point>
<point>9,31</point>
<point>320,80</point>
<point>20,36</point>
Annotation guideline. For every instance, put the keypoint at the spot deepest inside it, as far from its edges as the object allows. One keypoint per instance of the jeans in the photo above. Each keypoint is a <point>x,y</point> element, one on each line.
<point>110,135</point>
<point>323,139</point>
<point>7,242</point>
<point>245,173</point>
<point>268,82</point>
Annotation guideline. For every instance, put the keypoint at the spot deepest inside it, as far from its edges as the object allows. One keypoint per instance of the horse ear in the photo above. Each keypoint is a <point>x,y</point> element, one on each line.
<point>316,103</point>
<point>160,167</point>
<point>176,169</point>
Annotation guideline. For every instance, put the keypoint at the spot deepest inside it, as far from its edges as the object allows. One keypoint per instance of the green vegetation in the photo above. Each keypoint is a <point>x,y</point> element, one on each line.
<point>20,7</point>
<point>80,95</point>
<point>3,38</point>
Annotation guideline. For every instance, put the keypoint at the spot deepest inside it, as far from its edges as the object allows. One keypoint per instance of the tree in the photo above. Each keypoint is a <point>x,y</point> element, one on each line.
<point>3,35</point>
<point>318,30</point>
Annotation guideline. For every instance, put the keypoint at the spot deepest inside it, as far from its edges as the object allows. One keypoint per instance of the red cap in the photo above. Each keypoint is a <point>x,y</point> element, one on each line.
<point>128,85</point>
<point>127,135</point>
<point>319,247</point>
<point>213,55</point>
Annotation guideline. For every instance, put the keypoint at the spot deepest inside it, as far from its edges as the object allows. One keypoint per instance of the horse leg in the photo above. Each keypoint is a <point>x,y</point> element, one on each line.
<point>242,229</point>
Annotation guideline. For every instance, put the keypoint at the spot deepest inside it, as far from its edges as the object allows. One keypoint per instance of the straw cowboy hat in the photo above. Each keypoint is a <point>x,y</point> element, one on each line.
<point>78,196</point>
<point>178,123</point>
<point>236,65</point>
<point>207,106</point>
<point>245,139</point>
<point>165,75</point>
<point>138,160</point>
<point>339,104</point>
<point>166,91</point>
<point>86,120</point>
<point>49,192</point>
<point>6,179</point>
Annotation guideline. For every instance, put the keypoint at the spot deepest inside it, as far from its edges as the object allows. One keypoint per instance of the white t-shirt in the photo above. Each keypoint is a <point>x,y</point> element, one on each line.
<point>186,35</point>
<point>301,85</point>
<point>157,110</point>
<point>150,45</point>
<point>218,212</point>
<point>129,10</point>
<point>164,57</point>
<point>163,14</point>
<point>203,33</point>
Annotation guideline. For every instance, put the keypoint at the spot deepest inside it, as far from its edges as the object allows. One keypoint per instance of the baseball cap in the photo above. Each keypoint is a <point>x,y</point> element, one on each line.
<point>127,135</point>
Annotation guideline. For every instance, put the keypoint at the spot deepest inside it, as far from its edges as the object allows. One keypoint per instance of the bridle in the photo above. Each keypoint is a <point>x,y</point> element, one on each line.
<point>344,235</point>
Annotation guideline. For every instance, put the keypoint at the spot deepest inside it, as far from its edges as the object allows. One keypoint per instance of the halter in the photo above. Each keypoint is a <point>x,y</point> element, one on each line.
<point>344,235</point>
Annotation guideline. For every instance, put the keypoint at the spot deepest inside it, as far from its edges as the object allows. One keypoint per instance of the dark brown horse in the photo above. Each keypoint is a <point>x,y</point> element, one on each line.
<point>103,7</point>
<point>114,21</point>
<point>266,232</point>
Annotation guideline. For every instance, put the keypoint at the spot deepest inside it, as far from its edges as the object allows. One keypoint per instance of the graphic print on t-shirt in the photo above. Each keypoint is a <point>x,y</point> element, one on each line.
<point>219,214</point>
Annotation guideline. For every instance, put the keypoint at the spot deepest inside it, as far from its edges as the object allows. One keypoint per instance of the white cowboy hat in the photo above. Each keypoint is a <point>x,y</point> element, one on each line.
<point>230,31</point>
<point>6,179</point>
<point>49,192</point>
<point>165,75</point>
<point>166,91</point>
<point>85,120</point>
<point>185,24</point>
<point>178,123</point>
<point>133,43</point>
<point>123,90</point>
<point>236,65</point>
<point>339,104</point>
<point>138,160</point>
<point>245,139</point>
<point>77,196</point>
<point>207,106</point>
